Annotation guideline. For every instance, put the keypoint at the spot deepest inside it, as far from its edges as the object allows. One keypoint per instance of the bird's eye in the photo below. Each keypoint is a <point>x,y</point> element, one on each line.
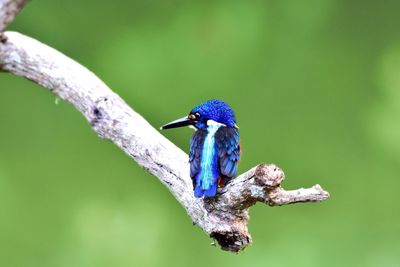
<point>197,115</point>
<point>192,117</point>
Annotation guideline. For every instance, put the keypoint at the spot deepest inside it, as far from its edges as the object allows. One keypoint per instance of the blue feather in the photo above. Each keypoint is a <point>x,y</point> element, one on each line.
<point>214,148</point>
<point>206,177</point>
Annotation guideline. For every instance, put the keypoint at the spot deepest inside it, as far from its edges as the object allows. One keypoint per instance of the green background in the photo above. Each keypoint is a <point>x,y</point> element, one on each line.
<point>316,89</point>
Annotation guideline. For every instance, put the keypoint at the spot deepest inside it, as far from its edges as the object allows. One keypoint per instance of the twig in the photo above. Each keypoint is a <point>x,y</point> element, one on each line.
<point>8,10</point>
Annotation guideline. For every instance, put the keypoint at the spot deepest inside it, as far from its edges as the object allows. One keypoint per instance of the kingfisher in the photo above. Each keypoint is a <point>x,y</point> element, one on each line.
<point>214,147</point>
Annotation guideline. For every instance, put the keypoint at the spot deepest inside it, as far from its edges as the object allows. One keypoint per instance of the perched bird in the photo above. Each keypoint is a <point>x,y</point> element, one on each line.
<point>214,147</point>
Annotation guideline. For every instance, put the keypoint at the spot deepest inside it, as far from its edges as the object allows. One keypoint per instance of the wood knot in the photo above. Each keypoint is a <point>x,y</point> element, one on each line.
<point>232,241</point>
<point>269,175</point>
<point>3,38</point>
<point>97,112</point>
<point>98,115</point>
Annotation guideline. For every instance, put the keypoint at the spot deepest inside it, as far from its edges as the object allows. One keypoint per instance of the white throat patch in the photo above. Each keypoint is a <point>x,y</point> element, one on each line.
<point>214,123</point>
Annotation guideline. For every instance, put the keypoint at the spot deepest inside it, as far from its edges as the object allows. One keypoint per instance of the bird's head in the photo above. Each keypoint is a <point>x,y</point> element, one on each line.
<point>207,113</point>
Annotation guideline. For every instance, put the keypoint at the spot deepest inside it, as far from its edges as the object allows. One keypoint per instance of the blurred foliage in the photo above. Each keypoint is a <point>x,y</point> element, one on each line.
<point>316,89</point>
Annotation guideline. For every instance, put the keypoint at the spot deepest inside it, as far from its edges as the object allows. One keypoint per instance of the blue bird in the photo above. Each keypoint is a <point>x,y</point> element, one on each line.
<point>214,147</point>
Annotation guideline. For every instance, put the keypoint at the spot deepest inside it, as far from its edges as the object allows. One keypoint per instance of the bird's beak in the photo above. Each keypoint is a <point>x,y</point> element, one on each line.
<point>178,123</point>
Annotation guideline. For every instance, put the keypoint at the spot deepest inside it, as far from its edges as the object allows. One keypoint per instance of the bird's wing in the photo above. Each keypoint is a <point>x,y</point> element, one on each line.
<point>196,146</point>
<point>227,143</point>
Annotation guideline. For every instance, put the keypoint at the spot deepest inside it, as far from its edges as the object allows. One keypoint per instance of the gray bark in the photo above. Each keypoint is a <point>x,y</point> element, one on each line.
<point>8,10</point>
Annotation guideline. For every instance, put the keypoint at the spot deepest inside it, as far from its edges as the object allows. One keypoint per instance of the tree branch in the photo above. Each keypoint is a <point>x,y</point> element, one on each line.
<point>224,217</point>
<point>8,10</point>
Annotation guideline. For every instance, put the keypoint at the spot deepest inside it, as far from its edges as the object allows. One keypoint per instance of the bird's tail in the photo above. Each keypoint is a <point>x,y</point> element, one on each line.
<point>210,192</point>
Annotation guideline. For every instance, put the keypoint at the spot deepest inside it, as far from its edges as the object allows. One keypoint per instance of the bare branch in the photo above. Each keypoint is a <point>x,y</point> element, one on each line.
<point>8,10</point>
<point>224,217</point>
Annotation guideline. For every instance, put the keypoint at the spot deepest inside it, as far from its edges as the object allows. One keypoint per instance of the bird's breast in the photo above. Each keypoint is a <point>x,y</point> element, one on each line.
<point>209,157</point>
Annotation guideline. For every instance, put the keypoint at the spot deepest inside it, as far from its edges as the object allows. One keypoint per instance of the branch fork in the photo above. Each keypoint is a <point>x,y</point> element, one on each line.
<point>224,217</point>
